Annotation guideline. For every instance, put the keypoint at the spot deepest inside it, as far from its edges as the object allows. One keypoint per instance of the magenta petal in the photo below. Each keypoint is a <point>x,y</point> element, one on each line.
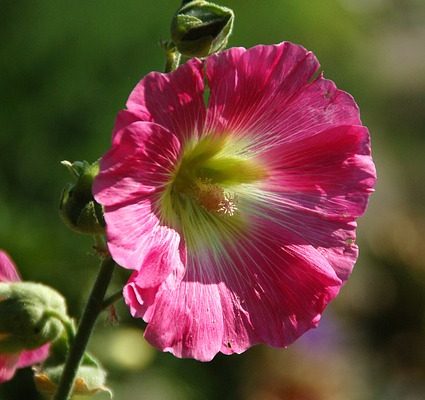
<point>330,147</point>
<point>329,174</point>
<point>8,365</point>
<point>246,92</point>
<point>10,362</point>
<point>185,316</point>
<point>173,100</point>
<point>137,165</point>
<point>276,97</point>
<point>132,174</point>
<point>125,118</point>
<point>278,294</point>
<point>323,182</point>
<point>133,299</point>
<point>161,262</point>
<point>319,106</point>
<point>139,300</point>
<point>145,233</point>
<point>187,321</point>
<point>8,272</point>
<point>31,357</point>
<point>163,265</point>
<point>341,257</point>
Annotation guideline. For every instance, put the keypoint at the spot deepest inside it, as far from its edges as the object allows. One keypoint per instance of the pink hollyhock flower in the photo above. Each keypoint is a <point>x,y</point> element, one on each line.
<point>9,362</point>
<point>231,189</point>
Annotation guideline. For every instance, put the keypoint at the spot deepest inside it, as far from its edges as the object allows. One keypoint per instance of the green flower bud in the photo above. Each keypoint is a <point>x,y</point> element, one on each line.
<point>200,28</point>
<point>30,316</point>
<point>78,208</point>
<point>90,379</point>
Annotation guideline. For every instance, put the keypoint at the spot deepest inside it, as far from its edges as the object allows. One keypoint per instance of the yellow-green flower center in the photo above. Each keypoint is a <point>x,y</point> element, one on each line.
<point>204,197</point>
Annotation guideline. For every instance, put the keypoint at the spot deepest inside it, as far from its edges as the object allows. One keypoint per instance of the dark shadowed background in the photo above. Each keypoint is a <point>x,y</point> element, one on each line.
<point>67,67</point>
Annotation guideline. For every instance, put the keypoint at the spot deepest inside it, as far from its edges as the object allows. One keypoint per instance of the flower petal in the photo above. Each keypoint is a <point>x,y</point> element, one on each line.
<point>138,164</point>
<point>31,357</point>
<point>277,97</point>
<point>243,86</point>
<point>8,272</point>
<point>322,182</point>
<point>132,174</point>
<point>145,236</point>
<point>8,365</point>
<point>185,320</point>
<point>273,292</point>
<point>330,173</point>
<point>333,239</point>
<point>125,118</point>
<point>173,100</point>
<point>260,293</point>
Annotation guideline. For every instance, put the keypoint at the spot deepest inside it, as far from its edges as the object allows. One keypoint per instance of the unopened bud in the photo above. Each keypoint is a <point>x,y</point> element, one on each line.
<point>78,208</point>
<point>200,28</point>
<point>89,381</point>
<point>30,316</point>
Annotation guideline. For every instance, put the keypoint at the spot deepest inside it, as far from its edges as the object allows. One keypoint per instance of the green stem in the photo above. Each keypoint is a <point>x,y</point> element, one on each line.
<point>85,328</point>
<point>111,299</point>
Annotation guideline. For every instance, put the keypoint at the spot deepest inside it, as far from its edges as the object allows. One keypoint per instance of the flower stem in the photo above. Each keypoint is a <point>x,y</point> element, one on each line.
<point>93,309</point>
<point>112,299</point>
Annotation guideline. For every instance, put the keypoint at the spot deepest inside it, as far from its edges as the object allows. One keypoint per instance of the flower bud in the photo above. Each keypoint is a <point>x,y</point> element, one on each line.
<point>78,208</point>
<point>200,28</point>
<point>30,316</point>
<point>89,381</point>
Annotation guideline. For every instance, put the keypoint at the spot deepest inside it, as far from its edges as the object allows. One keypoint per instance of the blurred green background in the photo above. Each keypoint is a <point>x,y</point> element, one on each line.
<point>67,67</point>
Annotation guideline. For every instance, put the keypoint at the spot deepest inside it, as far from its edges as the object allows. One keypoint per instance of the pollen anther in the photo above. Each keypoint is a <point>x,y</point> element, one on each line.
<point>213,198</point>
<point>228,206</point>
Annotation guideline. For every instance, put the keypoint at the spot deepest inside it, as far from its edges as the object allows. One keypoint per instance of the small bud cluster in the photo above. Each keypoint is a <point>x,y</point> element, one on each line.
<point>201,28</point>
<point>78,208</point>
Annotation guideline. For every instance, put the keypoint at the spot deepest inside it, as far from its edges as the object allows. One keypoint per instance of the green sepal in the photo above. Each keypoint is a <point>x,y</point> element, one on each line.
<point>90,378</point>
